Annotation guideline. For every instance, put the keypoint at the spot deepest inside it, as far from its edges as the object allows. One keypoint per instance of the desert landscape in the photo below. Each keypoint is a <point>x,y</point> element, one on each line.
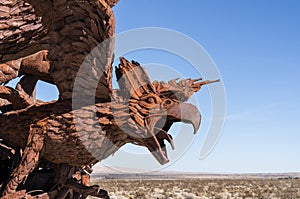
<point>256,186</point>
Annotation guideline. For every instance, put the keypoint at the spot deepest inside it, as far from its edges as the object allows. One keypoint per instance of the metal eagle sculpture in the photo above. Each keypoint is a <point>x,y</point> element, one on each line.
<point>49,41</point>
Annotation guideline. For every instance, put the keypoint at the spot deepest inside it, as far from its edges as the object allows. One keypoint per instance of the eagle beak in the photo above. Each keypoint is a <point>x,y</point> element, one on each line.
<point>187,113</point>
<point>183,112</point>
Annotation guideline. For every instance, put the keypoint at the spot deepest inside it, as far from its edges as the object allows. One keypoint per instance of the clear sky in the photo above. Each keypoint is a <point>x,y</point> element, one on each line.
<point>256,47</point>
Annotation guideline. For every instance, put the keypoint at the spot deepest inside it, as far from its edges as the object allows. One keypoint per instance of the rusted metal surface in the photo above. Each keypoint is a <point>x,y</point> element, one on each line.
<point>50,146</point>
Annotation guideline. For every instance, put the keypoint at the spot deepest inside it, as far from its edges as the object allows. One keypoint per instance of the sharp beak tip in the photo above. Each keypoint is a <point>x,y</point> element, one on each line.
<point>196,124</point>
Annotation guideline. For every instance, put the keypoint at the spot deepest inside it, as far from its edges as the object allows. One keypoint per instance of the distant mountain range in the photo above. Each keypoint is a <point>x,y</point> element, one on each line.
<point>107,172</point>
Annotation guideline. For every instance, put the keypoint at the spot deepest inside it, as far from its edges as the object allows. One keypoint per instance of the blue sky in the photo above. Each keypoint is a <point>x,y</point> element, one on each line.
<point>256,47</point>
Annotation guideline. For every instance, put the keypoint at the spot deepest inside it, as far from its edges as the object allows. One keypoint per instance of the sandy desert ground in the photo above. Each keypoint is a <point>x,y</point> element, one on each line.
<point>202,187</point>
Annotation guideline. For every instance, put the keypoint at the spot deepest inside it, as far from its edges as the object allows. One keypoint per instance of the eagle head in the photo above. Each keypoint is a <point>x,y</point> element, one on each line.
<point>154,106</point>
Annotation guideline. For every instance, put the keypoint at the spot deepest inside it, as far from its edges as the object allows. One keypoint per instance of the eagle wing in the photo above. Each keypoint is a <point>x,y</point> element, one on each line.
<point>60,42</point>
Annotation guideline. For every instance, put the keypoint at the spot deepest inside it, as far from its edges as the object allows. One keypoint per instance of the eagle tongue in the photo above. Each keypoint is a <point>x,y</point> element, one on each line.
<point>163,135</point>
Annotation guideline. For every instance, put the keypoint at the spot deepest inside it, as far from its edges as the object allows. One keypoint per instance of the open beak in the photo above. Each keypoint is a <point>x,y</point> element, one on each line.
<point>183,112</point>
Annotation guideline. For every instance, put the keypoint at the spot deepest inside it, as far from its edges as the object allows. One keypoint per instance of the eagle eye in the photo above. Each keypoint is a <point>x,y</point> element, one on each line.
<point>166,103</point>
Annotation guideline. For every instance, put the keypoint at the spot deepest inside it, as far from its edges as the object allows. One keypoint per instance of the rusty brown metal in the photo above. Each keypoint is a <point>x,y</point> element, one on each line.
<point>51,146</point>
